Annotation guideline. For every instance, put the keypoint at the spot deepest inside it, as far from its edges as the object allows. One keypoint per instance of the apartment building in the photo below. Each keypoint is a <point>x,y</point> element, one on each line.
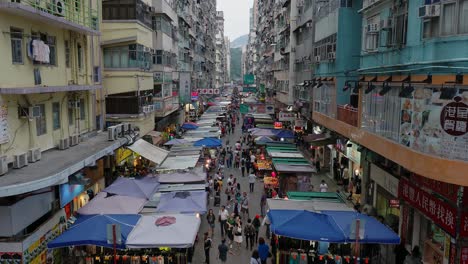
<point>52,110</point>
<point>221,56</point>
<point>227,43</point>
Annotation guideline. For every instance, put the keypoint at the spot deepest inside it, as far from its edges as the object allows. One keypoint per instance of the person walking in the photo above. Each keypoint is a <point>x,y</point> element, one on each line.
<point>263,201</point>
<point>415,257</point>
<point>255,259</point>
<point>245,205</point>
<point>323,186</point>
<point>256,224</point>
<point>207,246</point>
<point>249,231</point>
<point>266,222</point>
<point>222,251</point>
<point>263,250</point>
<point>243,170</point>
<point>252,179</point>
<point>222,218</point>
<point>211,219</point>
<point>238,239</point>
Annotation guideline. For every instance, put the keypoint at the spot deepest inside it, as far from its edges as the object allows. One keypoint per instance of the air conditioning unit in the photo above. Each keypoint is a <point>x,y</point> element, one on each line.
<point>59,7</point>
<point>429,11</point>
<point>64,143</point>
<point>3,165</point>
<point>34,155</point>
<point>20,160</point>
<point>111,133</point>
<point>373,28</point>
<point>74,104</point>
<point>125,128</point>
<point>34,111</point>
<point>74,140</point>
<point>386,23</point>
<point>147,49</point>
<point>119,130</point>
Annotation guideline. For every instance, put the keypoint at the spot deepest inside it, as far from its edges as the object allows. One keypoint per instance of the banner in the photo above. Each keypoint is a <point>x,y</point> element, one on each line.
<point>249,79</point>
<point>185,90</point>
<point>287,116</point>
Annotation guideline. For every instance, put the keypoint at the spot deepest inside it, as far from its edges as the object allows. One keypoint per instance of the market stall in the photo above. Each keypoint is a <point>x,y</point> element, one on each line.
<point>294,174</point>
<point>134,187</point>
<point>107,203</point>
<point>183,202</point>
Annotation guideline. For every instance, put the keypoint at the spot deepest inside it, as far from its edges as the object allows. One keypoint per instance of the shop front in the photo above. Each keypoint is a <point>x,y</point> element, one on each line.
<point>428,220</point>
<point>347,169</point>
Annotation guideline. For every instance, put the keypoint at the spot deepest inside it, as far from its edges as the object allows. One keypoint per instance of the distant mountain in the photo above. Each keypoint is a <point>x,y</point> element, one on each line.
<point>236,58</point>
<point>240,41</point>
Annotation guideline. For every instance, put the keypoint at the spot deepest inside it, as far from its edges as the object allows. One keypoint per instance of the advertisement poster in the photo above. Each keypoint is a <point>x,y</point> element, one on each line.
<point>434,121</point>
<point>185,89</point>
<point>287,116</point>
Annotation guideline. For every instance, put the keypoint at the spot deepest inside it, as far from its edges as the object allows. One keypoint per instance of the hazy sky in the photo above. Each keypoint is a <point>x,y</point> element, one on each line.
<point>236,16</point>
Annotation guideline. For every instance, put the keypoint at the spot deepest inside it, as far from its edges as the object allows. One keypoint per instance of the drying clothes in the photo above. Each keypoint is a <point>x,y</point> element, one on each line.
<point>40,51</point>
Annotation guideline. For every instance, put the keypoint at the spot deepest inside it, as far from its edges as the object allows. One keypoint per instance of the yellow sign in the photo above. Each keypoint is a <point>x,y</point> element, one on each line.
<point>122,154</point>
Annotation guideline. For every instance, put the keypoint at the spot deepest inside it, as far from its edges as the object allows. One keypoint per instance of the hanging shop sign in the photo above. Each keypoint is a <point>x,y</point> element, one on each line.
<point>185,90</point>
<point>394,203</point>
<point>158,77</point>
<point>454,117</point>
<point>269,109</point>
<point>249,79</point>
<point>353,153</point>
<point>447,190</point>
<point>194,96</point>
<point>278,125</point>
<point>464,255</point>
<point>440,212</point>
<point>464,225</point>
<point>385,180</point>
<point>287,116</point>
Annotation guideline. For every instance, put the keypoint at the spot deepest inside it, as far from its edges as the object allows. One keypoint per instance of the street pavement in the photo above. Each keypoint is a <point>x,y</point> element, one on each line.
<point>242,257</point>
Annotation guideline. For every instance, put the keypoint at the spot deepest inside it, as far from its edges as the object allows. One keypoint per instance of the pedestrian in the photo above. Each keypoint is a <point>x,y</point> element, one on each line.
<point>228,193</point>
<point>247,166</point>
<point>263,250</point>
<point>263,201</point>
<point>255,259</point>
<point>249,231</point>
<point>400,253</point>
<point>323,186</point>
<point>256,224</point>
<point>245,205</point>
<point>231,222</point>
<point>207,244</point>
<point>222,251</point>
<point>415,257</point>
<point>243,170</point>
<point>222,218</point>
<point>252,179</point>
<point>238,234</point>
<point>211,219</point>
<point>266,222</point>
<point>237,161</point>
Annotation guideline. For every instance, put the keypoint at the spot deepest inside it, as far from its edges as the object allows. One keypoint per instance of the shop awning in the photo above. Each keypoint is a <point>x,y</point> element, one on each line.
<point>311,205</point>
<point>297,224</point>
<point>179,187</point>
<point>179,162</point>
<point>106,203</point>
<point>183,202</point>
<point>180,234</point>
<point>290,155</point>
<point>290,161</point>
<point>140,188</point>
<point>325,196</point>
<point>92,230</point>
<point>195,175</point>
<point>293,168</point>
<point>151,152</point>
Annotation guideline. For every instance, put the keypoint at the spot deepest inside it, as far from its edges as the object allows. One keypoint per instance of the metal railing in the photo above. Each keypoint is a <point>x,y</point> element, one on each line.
<point>347,114</point>
<point>73,11</point>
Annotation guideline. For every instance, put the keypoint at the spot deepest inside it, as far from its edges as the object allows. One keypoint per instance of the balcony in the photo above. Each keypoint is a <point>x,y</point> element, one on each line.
<point>59,14</point>
<point>166,106</point>
<point>347,114</point>
<point>128,105</point>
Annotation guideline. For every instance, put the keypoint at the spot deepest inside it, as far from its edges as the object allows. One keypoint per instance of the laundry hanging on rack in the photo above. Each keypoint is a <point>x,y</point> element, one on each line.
<point>40,51</point>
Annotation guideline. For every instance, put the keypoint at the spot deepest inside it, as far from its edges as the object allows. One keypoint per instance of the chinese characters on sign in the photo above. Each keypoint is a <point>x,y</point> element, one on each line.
<point>278,125</point>
<point>464,255</point>
<point>287,116</point>
<point>442,213</point>
<point>447,190</point>
<point>454,117</point>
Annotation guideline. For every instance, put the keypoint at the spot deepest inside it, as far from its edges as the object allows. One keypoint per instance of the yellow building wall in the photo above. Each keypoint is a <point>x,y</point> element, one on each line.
<point>116,82</point>
<point>21,75</point>
<point>22,130</point>
<point>115,31</point>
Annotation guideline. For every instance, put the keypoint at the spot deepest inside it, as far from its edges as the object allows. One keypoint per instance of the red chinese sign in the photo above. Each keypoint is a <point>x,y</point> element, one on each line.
<point>464,255</point>
<point>394,203</point>
<point>454,117</point>
<point>278,125</point>
<point>442,213</point>
<point>447,190</point>
<point>464,225</point>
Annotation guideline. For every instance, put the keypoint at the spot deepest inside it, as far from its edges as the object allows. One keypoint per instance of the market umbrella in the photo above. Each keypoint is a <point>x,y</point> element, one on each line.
<point>208,142</point>
<point>284,133</point>
<point>189,126</point>
<point>176,142</point>
<point>139,188</point>
<point>264,132</point>
<point>107,203</point>
<point>92,230</point>
<point>263,139</point>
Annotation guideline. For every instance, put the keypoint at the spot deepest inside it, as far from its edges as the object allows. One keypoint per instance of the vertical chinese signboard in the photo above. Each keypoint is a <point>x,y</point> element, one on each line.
<point>442,213</point>
<point>464,255</point>
<point>185,89</point>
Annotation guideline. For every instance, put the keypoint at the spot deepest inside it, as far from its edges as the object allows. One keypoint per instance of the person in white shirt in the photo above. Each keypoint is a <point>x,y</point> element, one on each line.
<point>230,179</point>
<point>252,158</point>
<point>323,187</point>
<point>252,179</point>
<point>223,216</point>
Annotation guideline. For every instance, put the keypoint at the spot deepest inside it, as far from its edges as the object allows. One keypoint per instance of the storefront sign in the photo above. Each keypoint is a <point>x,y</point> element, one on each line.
<point>447,190</point>
<point>278,125</point>
<point>269,109</point>
<point>185,90</point>
<point>287,116</point>
<point>454,117</point>
<point>384,179</point>
<point>441,213</point>
<point>299,122</point>
<point>158,77</point>
<point>353,153</point>
<point>464,255</point>
<point>464,225</point>
<point>194,96</point>
<point>394,203</point>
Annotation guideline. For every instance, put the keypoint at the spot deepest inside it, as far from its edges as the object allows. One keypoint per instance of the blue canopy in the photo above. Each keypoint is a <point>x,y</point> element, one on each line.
<point>92,230</point>
<point>182,202</point>
<point>208,142</point>
<point>374,231</point>
<point>305,225</point>
<point>284,133</point>
<point>189,126</point>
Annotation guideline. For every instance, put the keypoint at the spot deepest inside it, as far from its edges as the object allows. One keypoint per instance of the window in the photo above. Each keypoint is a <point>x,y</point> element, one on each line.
<point>371,34</point>
<point>159,56</point>
<point>67,54</point>
<point>71,116</point>
<point>431,27</point>
<point>97,74</point>
<point>463,24</point>
<point>41,123</point>
<point>80,57</point>
<point>82,109</point>
<point>448,18</point>
<point>16,36</point>
<point>131,56</point>
<point>51,41</point>
<point>56,115</point>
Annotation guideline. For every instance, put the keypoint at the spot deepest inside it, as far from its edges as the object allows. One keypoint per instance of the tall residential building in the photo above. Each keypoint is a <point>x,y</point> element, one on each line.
<point>227,43</point>
<point>52,105</point>
<point>220,51</point>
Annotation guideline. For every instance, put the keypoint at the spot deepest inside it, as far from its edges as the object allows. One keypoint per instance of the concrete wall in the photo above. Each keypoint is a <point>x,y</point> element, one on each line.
<point>116,82</point>
<point>122,30</point>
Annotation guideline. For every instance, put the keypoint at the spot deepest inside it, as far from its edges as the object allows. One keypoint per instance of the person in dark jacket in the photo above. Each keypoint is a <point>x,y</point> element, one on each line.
<point>263,250</point>
<point>400,253</point>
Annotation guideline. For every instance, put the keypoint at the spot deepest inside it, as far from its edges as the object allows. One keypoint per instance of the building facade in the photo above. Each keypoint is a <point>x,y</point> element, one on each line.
<point>221,52</point>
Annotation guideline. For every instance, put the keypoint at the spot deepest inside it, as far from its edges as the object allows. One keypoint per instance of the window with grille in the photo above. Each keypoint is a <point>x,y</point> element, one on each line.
<point>16,36</point>
<point>41,122</point>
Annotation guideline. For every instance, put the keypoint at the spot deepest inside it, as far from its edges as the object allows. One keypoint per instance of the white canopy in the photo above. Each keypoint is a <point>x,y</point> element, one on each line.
<point>313,206</point>
<point>179,162</point>
<point>149,151</point>
<point>286,154</point>
<point>180,234</point>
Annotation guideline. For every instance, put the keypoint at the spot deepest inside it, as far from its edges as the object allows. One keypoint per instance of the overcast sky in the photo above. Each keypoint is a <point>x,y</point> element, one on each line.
<point>236,17</point>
